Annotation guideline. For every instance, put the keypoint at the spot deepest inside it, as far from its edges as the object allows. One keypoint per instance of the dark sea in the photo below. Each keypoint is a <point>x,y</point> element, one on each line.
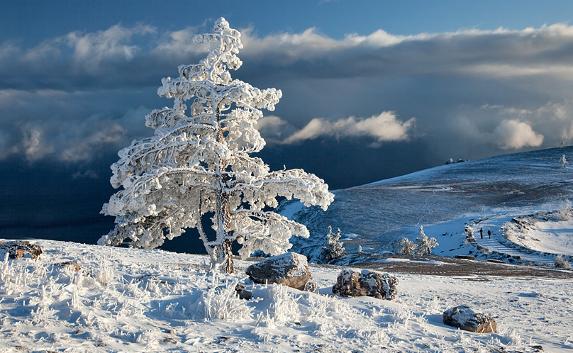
<point>40,201</point>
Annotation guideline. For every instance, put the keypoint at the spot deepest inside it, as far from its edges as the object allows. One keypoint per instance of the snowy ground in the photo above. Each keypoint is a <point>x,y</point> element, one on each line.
<point>553,237</point>
<point>126,300</point>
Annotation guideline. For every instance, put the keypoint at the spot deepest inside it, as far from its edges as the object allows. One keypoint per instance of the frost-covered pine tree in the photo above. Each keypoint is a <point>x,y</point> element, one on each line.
<point>424,244</point>
<point>562,263</point>
<point>197,168</point>
<point>563,161</point>
<point>405,247</point>
<point>333,248</point>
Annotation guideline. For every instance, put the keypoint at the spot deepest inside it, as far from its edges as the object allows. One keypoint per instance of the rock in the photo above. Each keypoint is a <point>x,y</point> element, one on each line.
<point>242,292</point>
<point>311,286</point>
<point>19,249</point>
<point>70,265</point>
<point>466,319</point>
<point>366,283</point>
<point>289,269</point>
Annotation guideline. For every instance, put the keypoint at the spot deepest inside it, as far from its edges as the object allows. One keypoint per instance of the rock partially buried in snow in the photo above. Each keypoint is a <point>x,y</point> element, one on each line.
<point>20,249</point>
<point>70,265</point>
<point>290,269</point>
<point>466,319</point>
<point>242,292</point>
<point>366,283</point>
<point>311,286</point>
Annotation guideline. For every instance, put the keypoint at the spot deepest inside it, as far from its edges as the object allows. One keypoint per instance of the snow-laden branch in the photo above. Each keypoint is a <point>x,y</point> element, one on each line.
<point>266,231</point>
<point>292,184</point>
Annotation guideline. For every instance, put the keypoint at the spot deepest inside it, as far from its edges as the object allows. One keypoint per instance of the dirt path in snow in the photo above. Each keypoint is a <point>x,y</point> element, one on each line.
<point>440,266</point>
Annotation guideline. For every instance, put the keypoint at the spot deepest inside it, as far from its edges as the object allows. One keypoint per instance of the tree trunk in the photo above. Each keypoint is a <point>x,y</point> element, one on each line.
<point>224,250</point>
<point>228,251</point>
<point>223,256</point>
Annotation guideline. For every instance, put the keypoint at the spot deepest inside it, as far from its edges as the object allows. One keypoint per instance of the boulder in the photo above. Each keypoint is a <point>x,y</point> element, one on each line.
<point>20,248</point>
<point>242,292</point>
<point>466,319</point>
<point>366,283</point>
<point>289,269</point>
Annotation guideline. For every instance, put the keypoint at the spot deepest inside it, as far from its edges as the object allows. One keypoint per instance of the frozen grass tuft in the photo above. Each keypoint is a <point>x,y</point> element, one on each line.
<point>222,303</point>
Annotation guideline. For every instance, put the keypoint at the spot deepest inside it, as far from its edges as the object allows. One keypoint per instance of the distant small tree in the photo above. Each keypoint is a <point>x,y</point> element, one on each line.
<point>405,247</point>
<point>198,169</point>
<point>562,263</point>
<point>469,233</point>
<point>333,248</point>
<point>563,161</point>
<point>424,244</point>
<point>565,211</point>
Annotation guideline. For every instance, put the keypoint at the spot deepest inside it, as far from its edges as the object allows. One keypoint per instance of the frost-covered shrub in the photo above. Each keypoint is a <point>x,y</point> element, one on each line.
<point>223,303</point>
<point>198,164</point>
<point>469,231</point>
<point>105,273</point>
<point>563,161</point>
<point>213,300</point>
<point>562,263</point>
<point>424,244</point>
<point>282,305</point>
<point>405,247</point>
<point>333,248</point>
<point>566,211</point>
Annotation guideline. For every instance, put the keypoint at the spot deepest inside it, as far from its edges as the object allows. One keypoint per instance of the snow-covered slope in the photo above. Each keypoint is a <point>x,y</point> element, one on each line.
<point>87,298</point>
<point>446,198</point>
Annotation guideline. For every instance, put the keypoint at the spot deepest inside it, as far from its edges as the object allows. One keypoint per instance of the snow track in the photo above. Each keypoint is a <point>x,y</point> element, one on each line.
<point>498,243</point>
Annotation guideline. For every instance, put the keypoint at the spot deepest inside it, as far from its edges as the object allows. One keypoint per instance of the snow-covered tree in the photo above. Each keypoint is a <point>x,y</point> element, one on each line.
<point>333,248</point>
<point>562,263</point>
<point>469,233</point>
<point>197,168</point>
<point>405,247</point>
<point>563,161</point>
<point>424,244</point>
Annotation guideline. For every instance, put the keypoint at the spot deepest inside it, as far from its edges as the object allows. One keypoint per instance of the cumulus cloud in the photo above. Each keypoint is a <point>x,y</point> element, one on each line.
<point>114,43</point>
<point>274,129</point>
<point>382,127</point>
<point>32,144</point>
<point>515,134</point>
<point>531,126</point>
<point>81,149</point>
<point>68,127</point>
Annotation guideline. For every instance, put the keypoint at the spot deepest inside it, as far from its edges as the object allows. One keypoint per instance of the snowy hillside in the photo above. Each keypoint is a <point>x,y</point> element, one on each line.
<point>87,298</point>
<point>485,194</point>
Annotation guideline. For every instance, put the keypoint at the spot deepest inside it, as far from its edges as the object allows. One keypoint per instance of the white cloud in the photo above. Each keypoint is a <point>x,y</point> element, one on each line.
<point>515,134</point>
<point>33,145</point>
<point>274,129</point>
<point>382,127</point>
<point>115,42</point>
<point>82,149</point>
